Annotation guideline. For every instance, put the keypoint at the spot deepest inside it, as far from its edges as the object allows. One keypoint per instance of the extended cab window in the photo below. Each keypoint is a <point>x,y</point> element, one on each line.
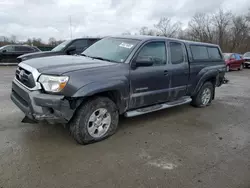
<point>176,53</point>
<point>214,53</point>
<point>156,51</point>
<point>199,52</point>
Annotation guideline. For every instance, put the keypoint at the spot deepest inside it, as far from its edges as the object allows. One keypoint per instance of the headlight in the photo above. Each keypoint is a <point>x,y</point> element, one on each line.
<point>53,83</point>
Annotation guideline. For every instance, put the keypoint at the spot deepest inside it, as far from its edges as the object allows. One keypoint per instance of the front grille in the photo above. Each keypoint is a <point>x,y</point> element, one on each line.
<point>25,77</point>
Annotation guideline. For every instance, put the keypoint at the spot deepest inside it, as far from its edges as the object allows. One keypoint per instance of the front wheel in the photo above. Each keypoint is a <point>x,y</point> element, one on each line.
<point>204,96</point>
<point>94,121</point>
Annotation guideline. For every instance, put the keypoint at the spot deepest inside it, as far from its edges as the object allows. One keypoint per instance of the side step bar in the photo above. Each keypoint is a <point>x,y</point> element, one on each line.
<point>145,110</point>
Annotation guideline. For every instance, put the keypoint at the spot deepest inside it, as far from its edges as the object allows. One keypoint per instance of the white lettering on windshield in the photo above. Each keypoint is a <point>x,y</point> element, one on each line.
<point>125,45</point>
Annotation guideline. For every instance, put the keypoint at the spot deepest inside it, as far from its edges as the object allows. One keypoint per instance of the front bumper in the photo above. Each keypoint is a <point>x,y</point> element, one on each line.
<point>39,106</point>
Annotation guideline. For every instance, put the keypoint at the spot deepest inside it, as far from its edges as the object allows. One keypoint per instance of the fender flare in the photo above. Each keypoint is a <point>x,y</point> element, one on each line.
<point>94,88</point>
<point>207,76</point>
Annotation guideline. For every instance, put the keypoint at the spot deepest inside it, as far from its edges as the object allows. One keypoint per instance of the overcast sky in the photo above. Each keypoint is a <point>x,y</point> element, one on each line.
<point>50,18</point>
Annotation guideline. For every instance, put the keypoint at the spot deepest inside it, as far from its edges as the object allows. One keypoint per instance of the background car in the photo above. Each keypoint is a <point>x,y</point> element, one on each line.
<point>233,61</point>
<point>68,47</point>
<point>246,57</point>
<point>9,53</point>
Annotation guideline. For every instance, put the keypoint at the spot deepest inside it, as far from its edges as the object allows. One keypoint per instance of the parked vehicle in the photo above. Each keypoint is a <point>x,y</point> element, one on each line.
<point>68,47</point>
<point>233,61</point>
<point>9,53</point>
<point>246,57</point>
<point>130,75</point>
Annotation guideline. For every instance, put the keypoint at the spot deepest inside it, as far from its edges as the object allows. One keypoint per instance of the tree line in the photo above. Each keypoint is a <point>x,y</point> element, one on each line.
<point>230,31</point>
<point>52,42</point>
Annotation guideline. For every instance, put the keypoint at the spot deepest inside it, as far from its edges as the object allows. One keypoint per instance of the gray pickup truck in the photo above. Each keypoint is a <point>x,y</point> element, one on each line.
<point>124,75</point>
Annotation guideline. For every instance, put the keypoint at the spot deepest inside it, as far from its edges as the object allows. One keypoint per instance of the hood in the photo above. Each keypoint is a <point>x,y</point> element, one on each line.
<point>37,54</point>
<point>58,65</point>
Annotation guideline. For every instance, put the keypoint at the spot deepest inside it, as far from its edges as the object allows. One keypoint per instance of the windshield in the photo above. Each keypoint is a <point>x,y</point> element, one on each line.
<point>61,46</point>
<point>112,49</point>
<point>226,56</point>
<point>247,54</point>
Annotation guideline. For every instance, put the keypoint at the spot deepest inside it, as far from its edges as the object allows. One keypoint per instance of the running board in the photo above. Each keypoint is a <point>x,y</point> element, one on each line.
<point>145,110</point>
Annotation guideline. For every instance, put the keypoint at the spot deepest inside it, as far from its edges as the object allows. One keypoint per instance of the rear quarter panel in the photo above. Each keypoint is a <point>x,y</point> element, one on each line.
<point>202,70</point>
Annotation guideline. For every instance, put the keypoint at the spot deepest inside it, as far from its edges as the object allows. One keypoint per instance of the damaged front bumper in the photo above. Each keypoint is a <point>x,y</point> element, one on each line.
<point>38,106</point>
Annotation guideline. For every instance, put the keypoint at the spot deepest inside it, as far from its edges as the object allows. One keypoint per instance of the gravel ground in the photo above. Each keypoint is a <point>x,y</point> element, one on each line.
<point>179,147</point>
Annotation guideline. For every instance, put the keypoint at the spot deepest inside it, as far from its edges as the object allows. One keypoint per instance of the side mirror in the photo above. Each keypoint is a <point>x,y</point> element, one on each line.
<point>4,51</point>
<point>71,49</point>
<point>231,59</point>
<point>143,61</point>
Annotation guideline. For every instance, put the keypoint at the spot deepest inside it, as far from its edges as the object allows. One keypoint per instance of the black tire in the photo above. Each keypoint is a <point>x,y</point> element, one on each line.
<point>246,66</point>
<point>78,125</point>
<point>241,67</point>
<point>197,99</point>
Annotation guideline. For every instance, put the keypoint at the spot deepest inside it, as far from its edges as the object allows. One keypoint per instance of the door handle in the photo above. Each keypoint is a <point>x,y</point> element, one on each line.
<point>165,72</point>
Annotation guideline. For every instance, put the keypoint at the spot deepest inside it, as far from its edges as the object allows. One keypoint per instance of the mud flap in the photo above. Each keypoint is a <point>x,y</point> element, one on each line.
<point>225,81</point>
<point>26,119</point>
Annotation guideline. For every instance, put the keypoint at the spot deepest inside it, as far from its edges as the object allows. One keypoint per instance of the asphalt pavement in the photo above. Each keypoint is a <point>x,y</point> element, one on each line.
<point>183,147</point>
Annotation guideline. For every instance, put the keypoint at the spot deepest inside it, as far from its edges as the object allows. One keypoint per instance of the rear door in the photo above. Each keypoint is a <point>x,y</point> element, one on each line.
<point>178,69</point>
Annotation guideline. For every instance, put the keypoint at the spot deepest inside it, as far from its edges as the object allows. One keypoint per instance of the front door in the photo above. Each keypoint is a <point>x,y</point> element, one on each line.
<point>7,54</point>
<point>149,84</point>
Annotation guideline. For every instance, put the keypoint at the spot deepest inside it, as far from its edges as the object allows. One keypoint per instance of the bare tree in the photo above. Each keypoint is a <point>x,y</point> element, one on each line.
<point>200,28</point>
<point>221,21</point>
<point>167,28</point>
<point>238,32</point>
<point>146,31</point>
<point>52,41</point>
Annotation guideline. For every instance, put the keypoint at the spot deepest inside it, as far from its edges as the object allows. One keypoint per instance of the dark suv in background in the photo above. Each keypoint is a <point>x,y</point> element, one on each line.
<point>9,53</point>
<point>68,47</point>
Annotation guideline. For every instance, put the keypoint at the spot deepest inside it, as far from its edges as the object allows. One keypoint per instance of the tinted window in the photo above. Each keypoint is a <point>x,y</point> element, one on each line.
<point>92,41</point>
<point>155,51</point>
<point>199,52</point>
<point>213,53</point>
<point>8,48</point>
<point>23,49</point>
<point>113,49</point>
<point>176,52</point>
<point>80,45</point>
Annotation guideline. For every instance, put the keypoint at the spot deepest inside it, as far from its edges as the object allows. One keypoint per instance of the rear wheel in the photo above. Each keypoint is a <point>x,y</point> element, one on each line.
<point>204,96</point>
<point>94,121</point>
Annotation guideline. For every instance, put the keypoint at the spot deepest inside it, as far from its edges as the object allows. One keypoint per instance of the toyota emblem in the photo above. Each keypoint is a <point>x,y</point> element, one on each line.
<point>21,74</point>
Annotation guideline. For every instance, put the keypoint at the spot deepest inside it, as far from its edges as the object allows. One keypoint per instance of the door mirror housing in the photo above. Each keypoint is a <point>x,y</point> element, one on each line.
<point>231,59</point>
<point>4,51</point>
<point>71,49</point>
<point>143,61</point>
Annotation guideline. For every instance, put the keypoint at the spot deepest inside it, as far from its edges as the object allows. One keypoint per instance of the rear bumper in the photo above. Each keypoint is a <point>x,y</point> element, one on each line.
<point>39,106</point>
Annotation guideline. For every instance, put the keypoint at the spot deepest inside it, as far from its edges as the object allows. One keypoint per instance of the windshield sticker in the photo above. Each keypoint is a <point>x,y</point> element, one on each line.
<point>125,45</point>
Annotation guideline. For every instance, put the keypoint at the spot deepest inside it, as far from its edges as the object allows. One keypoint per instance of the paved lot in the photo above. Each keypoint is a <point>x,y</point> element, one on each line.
<point>179,147</point>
